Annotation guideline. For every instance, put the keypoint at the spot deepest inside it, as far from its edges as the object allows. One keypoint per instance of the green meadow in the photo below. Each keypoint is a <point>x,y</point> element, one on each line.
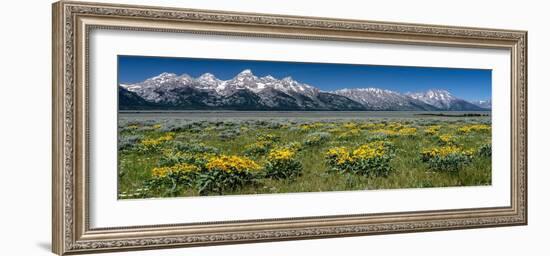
<point>177,155</point>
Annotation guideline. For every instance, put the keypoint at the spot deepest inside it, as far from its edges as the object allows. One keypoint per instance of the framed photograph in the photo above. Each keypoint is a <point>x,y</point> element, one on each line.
<point>179,127</point>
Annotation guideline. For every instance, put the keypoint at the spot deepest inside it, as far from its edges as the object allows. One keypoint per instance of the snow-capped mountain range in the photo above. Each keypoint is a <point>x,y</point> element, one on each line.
<point>245,91</point>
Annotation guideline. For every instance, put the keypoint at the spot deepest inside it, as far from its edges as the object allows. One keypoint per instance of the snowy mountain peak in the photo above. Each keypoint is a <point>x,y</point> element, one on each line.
<point>439,94</point>
<point>163,76</point>
<point>184,76</point>
<point>439,98</point>
<point>370,90</point>
<point>207,76</point>
<point>288,79</point>
<point>380,91</point>
<point>246,72</point>
<point>208,81</point>
<point>444,100</point>
<point>244,80</point>
<point>245,75</point>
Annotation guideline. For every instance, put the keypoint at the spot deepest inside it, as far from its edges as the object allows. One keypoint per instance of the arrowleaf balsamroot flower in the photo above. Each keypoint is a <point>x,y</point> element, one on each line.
<point>432,130</point>
<point>281,154</point>
<point>368,159</point>
<point>446,139</point>
<point>232,164</point>
<point>281,164</point>
<point>154,144</point>
<point>227,173</point>
<point>161,172</point>
<point>474,128</point>
<point>447,158</point>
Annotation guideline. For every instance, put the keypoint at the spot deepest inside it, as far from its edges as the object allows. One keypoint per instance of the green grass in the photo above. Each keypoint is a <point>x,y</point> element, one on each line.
<point>408,170</point>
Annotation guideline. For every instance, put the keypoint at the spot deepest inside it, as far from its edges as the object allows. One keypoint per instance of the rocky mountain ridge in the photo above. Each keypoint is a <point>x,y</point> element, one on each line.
<point>245,91</point>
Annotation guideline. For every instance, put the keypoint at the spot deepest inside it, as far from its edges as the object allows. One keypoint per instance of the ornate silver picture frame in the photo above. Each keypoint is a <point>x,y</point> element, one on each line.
<point>74,21</point>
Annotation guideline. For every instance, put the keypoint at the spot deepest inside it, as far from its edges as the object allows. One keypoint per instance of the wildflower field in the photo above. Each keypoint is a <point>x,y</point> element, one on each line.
<point>185,157</point>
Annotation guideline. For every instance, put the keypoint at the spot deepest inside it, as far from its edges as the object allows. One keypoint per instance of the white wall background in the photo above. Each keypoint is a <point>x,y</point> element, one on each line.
<point>25,101</point>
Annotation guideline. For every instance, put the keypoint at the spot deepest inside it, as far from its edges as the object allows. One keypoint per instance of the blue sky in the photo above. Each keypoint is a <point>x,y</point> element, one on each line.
<point>469,84</point>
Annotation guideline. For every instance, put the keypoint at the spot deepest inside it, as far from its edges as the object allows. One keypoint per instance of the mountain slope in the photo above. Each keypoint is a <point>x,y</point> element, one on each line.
<point>131,101</point>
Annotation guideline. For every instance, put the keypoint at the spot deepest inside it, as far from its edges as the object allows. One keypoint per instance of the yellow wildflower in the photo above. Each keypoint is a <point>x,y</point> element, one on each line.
<point>335,130</point>
<point>441,151</point>
<point>341,154</point>
<point>474,128</point>
<point>407,131</point>
<point>432,130</point>
<point>366,151</point>
<point>370,150</point>
<point>351,125</point>
<point>370,158</point>
<point>281,154</point>
<point>394,126</point>
<point>386,132</point>
<point>232,164</point>
<point>161,172</point>
<point>350,133</point>
<point>469,152</point>
<point>306,127</point>
<point>158,141</point>
<point>446,138</point>
<point>372,126</point>
<point>150,142</point>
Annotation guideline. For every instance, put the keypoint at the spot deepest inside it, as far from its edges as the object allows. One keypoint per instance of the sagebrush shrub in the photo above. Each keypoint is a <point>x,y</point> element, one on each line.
<point>229,134</point>
<point>316,138</point>
<point>260,147</point>
<point>170,158</point>
<point>194,147</point>
<point>269,137</point>
<point>128,142</point>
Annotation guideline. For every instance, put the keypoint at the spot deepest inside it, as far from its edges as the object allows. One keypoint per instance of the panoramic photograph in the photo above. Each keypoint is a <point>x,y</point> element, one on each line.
<point>212,127</point>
